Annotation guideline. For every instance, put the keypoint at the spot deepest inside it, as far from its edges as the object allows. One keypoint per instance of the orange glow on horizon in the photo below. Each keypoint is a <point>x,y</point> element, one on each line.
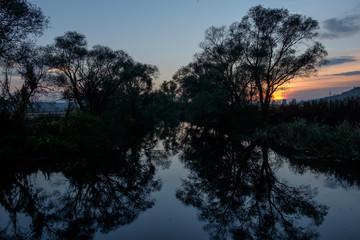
<point>278,95</point>
<point>327,78</point>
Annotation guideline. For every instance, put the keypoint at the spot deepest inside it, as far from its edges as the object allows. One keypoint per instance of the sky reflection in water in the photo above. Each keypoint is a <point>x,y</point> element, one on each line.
<point>214,188</point>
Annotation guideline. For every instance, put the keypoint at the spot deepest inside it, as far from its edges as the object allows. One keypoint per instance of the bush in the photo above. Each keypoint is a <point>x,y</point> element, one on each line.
<point>321,140</point>
<point>78,132</point>
<point>84,131</point>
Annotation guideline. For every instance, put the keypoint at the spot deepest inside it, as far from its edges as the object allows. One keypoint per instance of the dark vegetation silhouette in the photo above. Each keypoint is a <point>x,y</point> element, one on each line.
<point>215,111</point>
<point>322,129</point>
<point>228,87</point>
<point>20,23</point>
<point>324,111</point>
<point>109,95</point>
<point>250,60</point>
<point>96,79</point>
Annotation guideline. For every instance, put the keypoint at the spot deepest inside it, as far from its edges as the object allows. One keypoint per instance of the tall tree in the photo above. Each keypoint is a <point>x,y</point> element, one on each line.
<point>67,55</point>
<point>277,46</point>
<point>92,77</point>
<point>252,59</point>
<point>19,20</point>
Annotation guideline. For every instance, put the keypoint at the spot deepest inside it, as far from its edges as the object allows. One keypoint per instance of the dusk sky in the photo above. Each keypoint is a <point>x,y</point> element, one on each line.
<point>167,33</point>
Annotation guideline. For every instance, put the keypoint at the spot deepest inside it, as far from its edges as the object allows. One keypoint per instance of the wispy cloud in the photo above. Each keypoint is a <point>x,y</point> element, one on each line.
<point>340,60</point>
<point>341,27</point>
<point>353,73</point>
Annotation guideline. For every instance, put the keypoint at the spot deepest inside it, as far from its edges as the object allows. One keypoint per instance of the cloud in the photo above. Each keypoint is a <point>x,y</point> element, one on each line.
<point>340,60</point>
<point>353,73</point>
<point>341,27</point>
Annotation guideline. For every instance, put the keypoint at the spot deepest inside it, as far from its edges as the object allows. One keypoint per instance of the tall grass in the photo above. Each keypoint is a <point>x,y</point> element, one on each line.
<point>321,140</point>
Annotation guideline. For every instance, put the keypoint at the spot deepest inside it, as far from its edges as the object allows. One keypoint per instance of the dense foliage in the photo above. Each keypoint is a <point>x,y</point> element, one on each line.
<point>249,61</point>
<point>318,140</point>
<point>216,110</point>
<point>19,21</point>
<point>227,88</point>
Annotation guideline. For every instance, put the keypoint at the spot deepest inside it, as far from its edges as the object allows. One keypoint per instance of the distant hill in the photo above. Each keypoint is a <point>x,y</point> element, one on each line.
<point>355,92</point>
<point>50,107</point>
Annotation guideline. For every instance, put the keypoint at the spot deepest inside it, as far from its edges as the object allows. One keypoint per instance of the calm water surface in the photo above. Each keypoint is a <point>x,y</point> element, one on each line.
<point>208,189</point>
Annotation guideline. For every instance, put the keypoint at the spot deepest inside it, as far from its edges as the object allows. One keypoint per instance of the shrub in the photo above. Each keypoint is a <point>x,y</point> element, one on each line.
<point>84,131</point>
<point>321,140</point>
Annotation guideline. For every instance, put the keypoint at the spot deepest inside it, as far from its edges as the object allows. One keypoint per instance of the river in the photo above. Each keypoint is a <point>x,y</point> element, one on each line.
<point>207,187</point>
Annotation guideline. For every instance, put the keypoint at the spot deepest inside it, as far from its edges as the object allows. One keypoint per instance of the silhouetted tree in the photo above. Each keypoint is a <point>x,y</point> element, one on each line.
<point>202,94</point>
<point>19,20</point>
<point>250,60</point>
<point>92,77</point>
<point>277,46</point>
<point>29,63</point>
<point>164,105</point>
<point>169,88</point>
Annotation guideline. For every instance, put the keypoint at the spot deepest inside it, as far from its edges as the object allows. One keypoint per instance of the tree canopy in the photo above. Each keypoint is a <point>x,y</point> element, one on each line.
<point>92,77</point>
<point>251,59</point>
<point>239,68</point>
<point>19,20</point>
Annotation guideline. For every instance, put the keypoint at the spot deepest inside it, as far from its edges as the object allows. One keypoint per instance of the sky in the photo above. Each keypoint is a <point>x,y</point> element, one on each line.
<point>167,33</point>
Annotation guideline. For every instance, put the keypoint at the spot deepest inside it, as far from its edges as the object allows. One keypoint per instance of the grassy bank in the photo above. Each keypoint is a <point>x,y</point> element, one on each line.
<point>317,140</point>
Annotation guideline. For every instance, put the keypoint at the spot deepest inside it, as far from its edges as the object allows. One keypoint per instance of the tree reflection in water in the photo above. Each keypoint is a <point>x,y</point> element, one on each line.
<point>237,194</point>
<point>102,191</point>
